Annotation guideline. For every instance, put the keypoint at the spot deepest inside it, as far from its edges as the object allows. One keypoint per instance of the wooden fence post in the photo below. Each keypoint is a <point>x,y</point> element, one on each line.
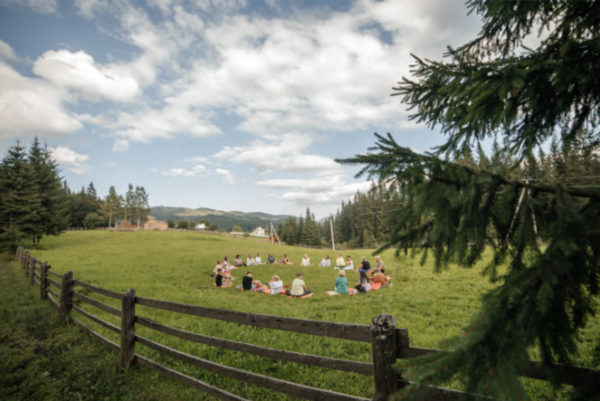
<point>127,329</point>
<point>31,264</point>
<point>66,296</point>
<point>383,340</point>
<point>44,281</point>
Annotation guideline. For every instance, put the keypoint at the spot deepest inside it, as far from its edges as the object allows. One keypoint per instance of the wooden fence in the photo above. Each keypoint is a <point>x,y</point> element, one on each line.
<point>388,342</point>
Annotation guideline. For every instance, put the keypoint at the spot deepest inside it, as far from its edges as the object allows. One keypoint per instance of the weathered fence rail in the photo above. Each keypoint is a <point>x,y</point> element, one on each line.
<point>388,342</point>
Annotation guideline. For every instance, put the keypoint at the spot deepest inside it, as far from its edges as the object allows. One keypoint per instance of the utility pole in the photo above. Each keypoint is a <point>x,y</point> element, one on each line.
<point>275,232</point>
<point>331,226</point>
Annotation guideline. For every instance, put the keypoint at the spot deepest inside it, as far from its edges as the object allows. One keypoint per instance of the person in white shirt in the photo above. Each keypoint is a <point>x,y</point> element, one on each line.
<point>349,263</point>
<point>276,285</point>
<point>325,262</point>
<point>250,261</point>
<point>305,261</point>
<point>258,259</point>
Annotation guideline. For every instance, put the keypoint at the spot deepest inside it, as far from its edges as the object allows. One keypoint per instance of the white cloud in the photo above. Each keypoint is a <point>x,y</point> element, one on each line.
<point>283,154</point>
<point>33,106</point>
<point>227,175</point>
<point>65,156</point>
<point>87,7</point>
<point>197,170</point>
<point>6,51</point>
<point>321,189</point>
<point>39,6</point>
<point>178,172</point>
<point>147,124</point>
<point>121,145</point>
<point>79,71</point>
<point>198,159</point>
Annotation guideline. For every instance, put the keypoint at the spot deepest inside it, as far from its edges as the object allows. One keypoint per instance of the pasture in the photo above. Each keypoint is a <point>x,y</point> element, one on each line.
<point>176,266</point>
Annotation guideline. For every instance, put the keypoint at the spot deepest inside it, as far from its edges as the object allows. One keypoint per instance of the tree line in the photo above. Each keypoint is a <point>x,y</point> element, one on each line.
<point>35,200</point>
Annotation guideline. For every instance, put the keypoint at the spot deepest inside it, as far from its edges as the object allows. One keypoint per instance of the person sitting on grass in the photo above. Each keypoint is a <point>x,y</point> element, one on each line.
<point>218,267</point>
<point>325,262</point>
<point>365,265</point>
<point>379,265</point>
<point>238,261</point>
<point>379,277</point>
<point>299,287</point>
<point>341,285</point>
<point>364,284</point>
<point>221,280</point>
<point>270,259</point>
<point>276,285</point>
<point>305,261</point>
<point>258,259</point>
<point>349,263</point>
<point>225,263</point>
<point>286,260</point>
<point>249,284</point>
<point>250,261</point>
<point>340,261</point>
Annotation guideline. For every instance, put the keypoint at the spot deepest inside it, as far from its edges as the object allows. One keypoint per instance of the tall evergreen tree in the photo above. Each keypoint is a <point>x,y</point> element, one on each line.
<point>54,205</point>
<point>20,206</point>
<point>545,297</point>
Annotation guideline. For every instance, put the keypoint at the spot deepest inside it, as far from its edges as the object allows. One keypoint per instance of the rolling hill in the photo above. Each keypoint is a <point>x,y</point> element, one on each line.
<point>226,220</point>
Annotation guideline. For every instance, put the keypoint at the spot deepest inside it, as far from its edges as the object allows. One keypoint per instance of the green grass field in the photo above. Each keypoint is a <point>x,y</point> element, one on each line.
<point>176,266</point>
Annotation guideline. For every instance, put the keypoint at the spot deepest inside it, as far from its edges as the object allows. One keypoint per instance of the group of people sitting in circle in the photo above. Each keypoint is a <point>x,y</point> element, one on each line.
<point>223,278</point>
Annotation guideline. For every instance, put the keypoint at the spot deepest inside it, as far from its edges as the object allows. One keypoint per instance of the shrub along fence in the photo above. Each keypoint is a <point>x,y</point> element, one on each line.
<point>388,342</point>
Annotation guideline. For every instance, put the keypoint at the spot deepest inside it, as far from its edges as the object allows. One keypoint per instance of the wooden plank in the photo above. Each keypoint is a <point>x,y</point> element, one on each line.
<point>101,322</point>
<point>288,356</point>
<point>127,329</point>
<point>56,305</point>
<point>355,332</point>
<point>55,274</point>
<point>37,275</point>
<point>97,304</point>
<point>444,394</point>
<point>190,381</point>
<point>99,290</point>
<point>282,386</point>
<point>36,282</point>
<point>572,375</point>
<point>54,283</point>
<point>405,353</point>
<point>115,347</point>
<point>53,292</point>
<point>39,262</point>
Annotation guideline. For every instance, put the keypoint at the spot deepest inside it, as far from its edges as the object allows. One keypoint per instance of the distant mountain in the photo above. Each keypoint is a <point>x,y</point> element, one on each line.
<point>226,220</point>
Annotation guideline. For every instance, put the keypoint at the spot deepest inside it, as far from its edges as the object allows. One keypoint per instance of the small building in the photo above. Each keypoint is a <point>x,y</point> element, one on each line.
<point>154,224</point>
<point>201,226</point>
<point>259,231</point>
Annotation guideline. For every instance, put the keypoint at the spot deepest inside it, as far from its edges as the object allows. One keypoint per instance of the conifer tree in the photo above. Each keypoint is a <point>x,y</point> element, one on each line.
<point>300,230</point>
<point>20,206</point>
<point>54,207</point>
<point>487,88</point>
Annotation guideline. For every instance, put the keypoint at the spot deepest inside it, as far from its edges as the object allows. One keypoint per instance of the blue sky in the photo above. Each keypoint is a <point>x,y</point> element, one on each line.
<point>227,104</point>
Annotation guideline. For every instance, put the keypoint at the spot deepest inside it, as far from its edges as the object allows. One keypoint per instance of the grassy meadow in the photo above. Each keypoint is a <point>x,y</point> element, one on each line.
<point>176,266</point>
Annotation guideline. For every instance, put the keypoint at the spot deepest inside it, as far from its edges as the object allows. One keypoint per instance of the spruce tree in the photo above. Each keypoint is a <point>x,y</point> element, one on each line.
<point>489,88</point>
<point>54,205</point>
<point>20,206</point>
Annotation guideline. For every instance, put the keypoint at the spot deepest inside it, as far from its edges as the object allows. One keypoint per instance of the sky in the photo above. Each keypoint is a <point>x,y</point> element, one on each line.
<point>227,104</point>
